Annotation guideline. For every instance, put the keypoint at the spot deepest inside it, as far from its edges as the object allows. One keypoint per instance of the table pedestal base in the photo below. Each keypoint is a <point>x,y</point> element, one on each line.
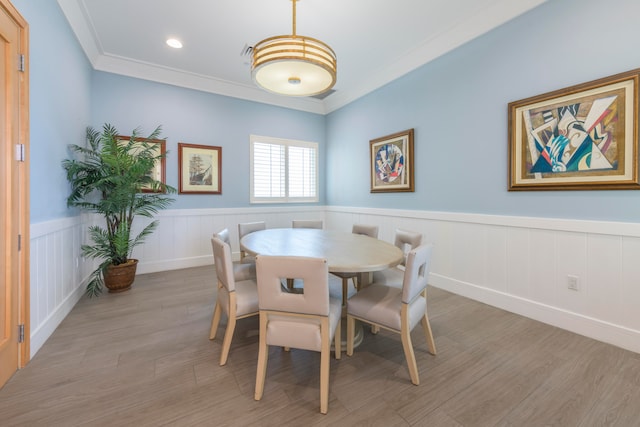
<point>358,335</point>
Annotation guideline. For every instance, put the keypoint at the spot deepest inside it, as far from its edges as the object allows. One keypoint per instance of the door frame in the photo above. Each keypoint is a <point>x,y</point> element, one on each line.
<point>23,219</point>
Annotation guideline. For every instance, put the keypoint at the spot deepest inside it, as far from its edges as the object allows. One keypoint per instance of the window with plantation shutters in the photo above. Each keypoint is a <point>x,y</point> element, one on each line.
<point>283,170</point>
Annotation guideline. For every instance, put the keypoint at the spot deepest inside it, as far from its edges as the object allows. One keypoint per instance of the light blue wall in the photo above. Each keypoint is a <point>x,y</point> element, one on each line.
<point>201,118</point>
<point>457,105</point>
<point>66,96</point>
<point>59,103</point>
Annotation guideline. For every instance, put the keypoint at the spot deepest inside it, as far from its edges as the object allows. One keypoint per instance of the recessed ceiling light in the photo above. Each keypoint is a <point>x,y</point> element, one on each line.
<point>174,43</point>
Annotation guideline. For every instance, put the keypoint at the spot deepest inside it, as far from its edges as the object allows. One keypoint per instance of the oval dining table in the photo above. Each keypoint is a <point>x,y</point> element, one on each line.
<point>345,252</point>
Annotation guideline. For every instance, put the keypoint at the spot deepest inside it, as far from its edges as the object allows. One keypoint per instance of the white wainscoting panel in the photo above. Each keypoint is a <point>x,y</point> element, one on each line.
<point>58,274</point>
<point>630,282</point>
<point>515,263</point>
<point>521,265</point>
<point>183,237</point>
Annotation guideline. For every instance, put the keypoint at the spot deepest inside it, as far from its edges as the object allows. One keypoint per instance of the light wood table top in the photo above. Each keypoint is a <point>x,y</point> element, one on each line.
<point>344,252</point>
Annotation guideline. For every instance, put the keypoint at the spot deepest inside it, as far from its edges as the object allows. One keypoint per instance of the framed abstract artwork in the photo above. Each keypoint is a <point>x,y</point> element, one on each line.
<point>391,159</point>
<point>584,137</point>
<point>159,169</point>
<point>199,169</point>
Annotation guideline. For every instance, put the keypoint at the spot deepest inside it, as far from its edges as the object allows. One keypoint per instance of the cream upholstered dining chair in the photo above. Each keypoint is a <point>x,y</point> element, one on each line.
<point>397,309</point>
<point>245,228</point>
<point>367,230</point>
<point>237,299</point>
<point>406,241</point>
<point>307,321</point>
<point>223,235</point>
<point>240,271</point>
<point>307,223</point>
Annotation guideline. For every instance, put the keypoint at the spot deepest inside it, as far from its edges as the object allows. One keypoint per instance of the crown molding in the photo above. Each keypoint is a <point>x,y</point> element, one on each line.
<point>152,72</point>
<point>479,23</point>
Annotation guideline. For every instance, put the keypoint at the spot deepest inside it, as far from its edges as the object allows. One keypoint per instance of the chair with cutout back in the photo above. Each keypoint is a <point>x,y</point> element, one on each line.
<point>406,241</point>
<point>397,309</point>
<point>245,228</point>
<point>308,321</point>
<point>240,271</point>
<point>237,299</point>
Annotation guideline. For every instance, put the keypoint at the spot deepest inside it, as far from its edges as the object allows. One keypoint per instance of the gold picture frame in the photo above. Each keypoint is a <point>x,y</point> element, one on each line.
<point>199,169</point>
<point>391,161</point>
<point>583,137</point>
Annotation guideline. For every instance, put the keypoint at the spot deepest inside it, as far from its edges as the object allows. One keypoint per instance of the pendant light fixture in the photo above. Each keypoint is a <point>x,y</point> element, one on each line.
<point>294,65</point>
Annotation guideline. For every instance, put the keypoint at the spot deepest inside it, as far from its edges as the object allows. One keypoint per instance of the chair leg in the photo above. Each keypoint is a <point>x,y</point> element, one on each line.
<point>345,290</point>
<point>410,356</point>
<point>351,329</point>
<point>231,327</point>
<point>228,336</point>
<point>405,333</point>
<point>263,353</point>
<point>215,321</point>
<point>324,367</point>
<point>363,280</point>
<point>429,335</point>
<point>337,340</point>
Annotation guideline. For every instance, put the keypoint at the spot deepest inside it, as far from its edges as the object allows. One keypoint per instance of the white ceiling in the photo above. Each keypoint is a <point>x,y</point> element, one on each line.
<point>376,41</point>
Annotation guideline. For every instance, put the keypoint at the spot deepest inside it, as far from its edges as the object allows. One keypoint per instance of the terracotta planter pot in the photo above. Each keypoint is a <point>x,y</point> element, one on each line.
<point>119,278</point>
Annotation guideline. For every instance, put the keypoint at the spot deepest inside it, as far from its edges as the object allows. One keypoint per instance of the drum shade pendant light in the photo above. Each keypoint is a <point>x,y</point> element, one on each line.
<point>294,65</point>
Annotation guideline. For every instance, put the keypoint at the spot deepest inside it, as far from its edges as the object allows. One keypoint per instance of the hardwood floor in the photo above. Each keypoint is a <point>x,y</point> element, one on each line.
<point>144,358</point>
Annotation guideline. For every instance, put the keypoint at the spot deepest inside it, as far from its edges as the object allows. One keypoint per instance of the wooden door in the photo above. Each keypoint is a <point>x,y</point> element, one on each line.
<point>13,192</point>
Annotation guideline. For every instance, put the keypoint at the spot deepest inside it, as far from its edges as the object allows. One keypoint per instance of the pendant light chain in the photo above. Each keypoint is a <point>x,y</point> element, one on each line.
<point>294,17</point>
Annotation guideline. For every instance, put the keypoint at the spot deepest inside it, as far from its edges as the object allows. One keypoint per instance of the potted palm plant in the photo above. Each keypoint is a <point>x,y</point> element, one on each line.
<point>107,177</point>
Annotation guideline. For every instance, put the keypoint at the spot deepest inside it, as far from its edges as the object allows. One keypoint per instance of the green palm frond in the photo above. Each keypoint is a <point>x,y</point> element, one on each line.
<point>106,177</point>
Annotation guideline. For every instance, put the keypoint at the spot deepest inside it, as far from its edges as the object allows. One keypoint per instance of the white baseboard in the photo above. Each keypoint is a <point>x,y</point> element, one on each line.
<point>583,325</point>
<point>40,335</point>
<point>174,264</point>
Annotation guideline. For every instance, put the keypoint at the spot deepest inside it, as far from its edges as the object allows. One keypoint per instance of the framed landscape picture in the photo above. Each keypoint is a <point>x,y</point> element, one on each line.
<point>391,159</point>
<point>159,170</point>
<point>584,137</point>
<point>199,169</point>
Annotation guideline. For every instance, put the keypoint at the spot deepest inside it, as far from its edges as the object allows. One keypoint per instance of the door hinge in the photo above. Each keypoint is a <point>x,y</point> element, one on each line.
<point>19,242</point>
<point>20,152</point>
<point>21,63</point>
<point>21,333</point>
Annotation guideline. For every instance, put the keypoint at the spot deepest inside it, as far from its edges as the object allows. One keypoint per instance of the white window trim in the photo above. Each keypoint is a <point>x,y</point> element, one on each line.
<point>287,143</point>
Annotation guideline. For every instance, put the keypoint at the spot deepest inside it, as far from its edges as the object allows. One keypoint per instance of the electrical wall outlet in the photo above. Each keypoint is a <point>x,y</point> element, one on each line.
<point>573,282</point>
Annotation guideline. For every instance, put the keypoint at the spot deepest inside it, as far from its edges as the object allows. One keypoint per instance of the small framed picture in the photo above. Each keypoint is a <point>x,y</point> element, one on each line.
<point>199,169</point>
<point>160,149</point>
<point>392,162</point>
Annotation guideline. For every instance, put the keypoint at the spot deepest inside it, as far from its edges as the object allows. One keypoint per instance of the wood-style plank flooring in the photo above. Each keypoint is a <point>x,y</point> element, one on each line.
<point>143,358</point>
